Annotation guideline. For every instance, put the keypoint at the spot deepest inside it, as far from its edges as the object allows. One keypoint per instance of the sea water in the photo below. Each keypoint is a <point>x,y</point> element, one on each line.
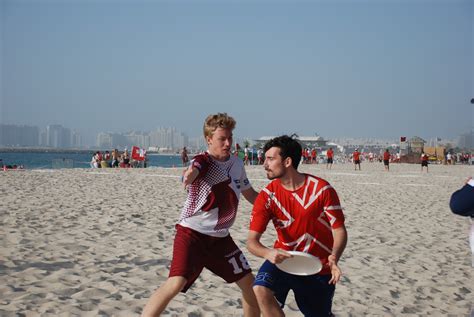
<point>48,160</point>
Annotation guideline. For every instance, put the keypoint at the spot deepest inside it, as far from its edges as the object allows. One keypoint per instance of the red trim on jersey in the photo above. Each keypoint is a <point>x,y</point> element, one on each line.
<point>303,219</point>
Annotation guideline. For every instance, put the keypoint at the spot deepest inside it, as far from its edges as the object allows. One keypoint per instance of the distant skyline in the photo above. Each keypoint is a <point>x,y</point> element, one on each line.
<point>337,68</point>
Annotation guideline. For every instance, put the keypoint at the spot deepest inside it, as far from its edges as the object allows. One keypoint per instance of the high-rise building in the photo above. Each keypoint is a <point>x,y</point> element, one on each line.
<point>57,136</point>
<point>168,138</point>
<point>198,144</point>
<point>29,136</point>
<point>16,135</point>
<point>466,140</point>
<point>104,140</point>
<point>76,139</point>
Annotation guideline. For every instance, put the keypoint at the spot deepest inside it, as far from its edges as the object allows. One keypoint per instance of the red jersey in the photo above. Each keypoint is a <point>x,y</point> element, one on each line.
<point>386,156</point>
<point>303,218</point>
<point>356,156</point>
<point>330,153</point>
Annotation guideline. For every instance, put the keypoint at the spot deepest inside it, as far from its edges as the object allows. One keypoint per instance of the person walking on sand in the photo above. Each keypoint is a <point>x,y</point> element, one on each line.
<point>314,154</point>
<point>260,156</point>
<point>184,157</point>
<point>424,161</point>
<point>308,217</point>
<point>214,180</point>
<point>386,160</point>
<point>330,157</point>
<point>356,158</point>
<point>246,155</point>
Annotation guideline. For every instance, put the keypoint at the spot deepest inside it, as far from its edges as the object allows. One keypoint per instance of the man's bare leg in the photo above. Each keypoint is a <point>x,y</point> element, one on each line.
<point>163,295</point>
<point>267,302</point>
<point>249,301</point>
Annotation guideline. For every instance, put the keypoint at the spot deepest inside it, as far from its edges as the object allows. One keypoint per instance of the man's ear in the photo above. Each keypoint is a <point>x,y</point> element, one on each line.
<point>288,162</point>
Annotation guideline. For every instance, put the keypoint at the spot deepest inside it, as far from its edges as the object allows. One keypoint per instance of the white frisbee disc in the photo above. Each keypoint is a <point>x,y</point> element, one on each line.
<point>301,263</point>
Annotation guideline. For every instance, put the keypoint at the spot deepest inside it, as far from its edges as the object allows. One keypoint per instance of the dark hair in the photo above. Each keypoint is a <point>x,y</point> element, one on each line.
<point>289,147</point>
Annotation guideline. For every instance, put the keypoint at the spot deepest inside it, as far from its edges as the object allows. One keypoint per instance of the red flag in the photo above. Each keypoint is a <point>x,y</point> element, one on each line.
<point>138,154</point>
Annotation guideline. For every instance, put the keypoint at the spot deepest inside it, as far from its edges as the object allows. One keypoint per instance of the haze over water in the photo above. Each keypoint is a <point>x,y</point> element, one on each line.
<point>336,68</point>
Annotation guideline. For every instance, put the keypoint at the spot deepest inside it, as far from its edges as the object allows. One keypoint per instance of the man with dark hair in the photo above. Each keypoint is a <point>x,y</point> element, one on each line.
<point>308,217</point>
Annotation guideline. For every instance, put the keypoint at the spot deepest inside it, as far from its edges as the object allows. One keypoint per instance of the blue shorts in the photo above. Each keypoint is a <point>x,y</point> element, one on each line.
<point>313,294</point>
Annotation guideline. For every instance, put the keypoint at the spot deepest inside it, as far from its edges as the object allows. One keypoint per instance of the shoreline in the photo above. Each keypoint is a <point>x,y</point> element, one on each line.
<point>69,151</point>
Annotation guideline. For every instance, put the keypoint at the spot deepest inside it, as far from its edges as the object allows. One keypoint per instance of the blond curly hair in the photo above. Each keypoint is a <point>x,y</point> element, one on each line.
<point>219,120</point>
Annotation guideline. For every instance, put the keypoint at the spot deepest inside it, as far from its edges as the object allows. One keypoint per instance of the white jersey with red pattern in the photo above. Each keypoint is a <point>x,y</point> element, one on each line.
<point>303,219</point>
<point>213,197</point>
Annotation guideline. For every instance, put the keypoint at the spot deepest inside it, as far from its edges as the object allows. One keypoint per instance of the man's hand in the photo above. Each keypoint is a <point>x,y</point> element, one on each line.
<point>189,175</point>
<point>467,180</point>
<point>277,255</point>
<point>335,270</point>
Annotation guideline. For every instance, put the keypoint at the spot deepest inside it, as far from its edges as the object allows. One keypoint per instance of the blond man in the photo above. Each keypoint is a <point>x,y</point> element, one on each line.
<point>214,181</point>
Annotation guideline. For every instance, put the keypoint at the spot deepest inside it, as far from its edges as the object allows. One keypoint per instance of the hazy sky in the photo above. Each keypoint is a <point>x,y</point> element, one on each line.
<point>337,68</point>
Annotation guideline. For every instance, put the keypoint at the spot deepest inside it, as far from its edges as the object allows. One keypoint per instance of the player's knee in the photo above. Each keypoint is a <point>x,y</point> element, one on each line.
<point>174,285</point>
<point>262,293</point>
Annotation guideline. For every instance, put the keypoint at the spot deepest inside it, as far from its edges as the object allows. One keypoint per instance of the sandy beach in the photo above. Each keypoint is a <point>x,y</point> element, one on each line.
<point>83,242</point>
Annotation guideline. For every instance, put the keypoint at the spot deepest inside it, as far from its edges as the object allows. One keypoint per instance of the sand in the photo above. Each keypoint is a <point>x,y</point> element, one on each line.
<point>83,242</point>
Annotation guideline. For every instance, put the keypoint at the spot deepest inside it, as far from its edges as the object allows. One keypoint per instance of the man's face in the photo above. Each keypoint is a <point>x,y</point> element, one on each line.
<point>220,144</point>
<point>274,164</point>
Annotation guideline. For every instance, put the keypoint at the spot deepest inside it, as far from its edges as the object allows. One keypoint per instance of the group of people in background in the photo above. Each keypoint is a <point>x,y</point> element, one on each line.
<point>115,159</point>
<point>458,158</point>
<point>10,166</point>
<point>309,156</point>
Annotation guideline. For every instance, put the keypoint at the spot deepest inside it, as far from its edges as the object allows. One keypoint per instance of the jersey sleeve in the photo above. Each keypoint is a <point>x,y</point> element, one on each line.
<point>261,214</point>
<point>333,208</point>
<point>201,162</point>
<point>244,181</point>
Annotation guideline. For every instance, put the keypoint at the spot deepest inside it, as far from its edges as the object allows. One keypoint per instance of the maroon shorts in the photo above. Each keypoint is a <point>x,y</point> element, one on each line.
<point>193,251</point>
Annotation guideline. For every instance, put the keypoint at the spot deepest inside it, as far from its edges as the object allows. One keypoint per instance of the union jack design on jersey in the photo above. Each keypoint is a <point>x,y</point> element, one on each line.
<point>303,219</point>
